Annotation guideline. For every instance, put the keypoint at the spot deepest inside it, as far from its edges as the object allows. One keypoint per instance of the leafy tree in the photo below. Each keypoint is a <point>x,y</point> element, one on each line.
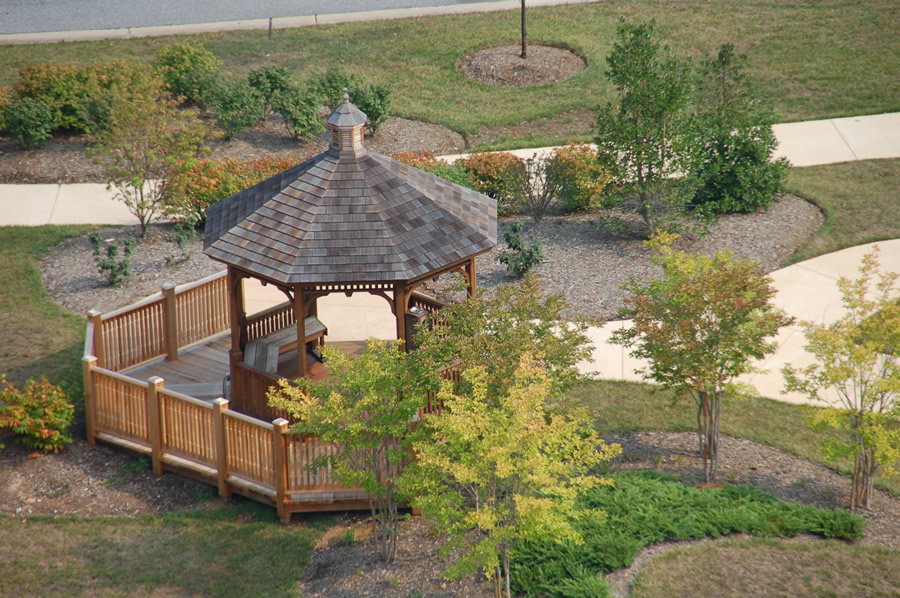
<point>366,407</point>
<point>639,137</point>
<point>146,138</point>
<point>700,325</point>
<point>857,359</point>
<point>493,472</point>
<point>495,332</point>
<point>732,141</point>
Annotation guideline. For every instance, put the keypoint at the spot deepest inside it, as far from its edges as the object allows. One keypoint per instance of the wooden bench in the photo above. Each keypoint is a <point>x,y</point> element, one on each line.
<point>262,353</point>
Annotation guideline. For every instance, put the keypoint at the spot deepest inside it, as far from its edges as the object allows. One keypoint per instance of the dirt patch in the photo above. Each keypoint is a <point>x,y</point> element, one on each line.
<point>503,66</point>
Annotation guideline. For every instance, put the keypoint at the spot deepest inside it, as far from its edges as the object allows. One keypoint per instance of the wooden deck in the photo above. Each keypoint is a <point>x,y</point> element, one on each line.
<point>200,372</point>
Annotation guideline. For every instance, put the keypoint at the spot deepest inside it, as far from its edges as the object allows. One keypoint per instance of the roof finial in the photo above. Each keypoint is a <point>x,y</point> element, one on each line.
<point>346,95</point>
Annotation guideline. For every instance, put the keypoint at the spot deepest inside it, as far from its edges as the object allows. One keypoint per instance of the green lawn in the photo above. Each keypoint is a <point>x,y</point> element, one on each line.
<point>231,551</point>
<point>39,337</point>
<point>860,199</point>
<point>811,59</point>
<point>768,568</point>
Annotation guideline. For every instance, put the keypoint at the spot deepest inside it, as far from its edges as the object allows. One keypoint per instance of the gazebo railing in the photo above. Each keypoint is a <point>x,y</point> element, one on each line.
<point>270,320</point>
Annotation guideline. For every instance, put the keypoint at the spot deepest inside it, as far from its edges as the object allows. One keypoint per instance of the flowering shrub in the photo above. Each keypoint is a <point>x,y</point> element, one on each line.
<point>492,173</point>
<point>191,190</point>
<point>580,178</point>
<point>427,162</point>
<point>40,414</point>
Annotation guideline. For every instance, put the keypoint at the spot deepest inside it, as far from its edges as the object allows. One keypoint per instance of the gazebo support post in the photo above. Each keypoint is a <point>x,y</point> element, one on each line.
<point>400,299</point>
<point>470,277</point>
<point>300,316</point>
<point>237,316</point>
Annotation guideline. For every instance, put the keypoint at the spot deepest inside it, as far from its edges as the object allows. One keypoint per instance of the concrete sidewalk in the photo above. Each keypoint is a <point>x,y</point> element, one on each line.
<point>804,144</point>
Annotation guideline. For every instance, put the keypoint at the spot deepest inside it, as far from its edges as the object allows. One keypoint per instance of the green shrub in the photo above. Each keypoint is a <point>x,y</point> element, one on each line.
<point>300,110</point>
<point>731,162</point>
<point>188,70</point>
<point>518,257</point>
<point>190,191</point>
<point>29,120</point>
<point>426,161</point>
<point>578,175</point>
<point>268,81</point>
<point>115,268</point>
<point>62,88</point>
<point>328,87</point>
<point>375,101</point>
<point>5,98</point>
<point>109,82</point>
<point>643,508</point>
<point>238,107</point>
<point>491,173</point>
<point>39,415</point>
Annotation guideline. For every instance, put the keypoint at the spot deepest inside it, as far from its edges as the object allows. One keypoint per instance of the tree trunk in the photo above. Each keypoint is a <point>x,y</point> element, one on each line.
<point>524,33</point>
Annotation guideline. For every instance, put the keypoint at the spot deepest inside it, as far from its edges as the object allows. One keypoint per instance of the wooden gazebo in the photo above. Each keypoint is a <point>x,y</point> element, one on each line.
<point>346,221</point>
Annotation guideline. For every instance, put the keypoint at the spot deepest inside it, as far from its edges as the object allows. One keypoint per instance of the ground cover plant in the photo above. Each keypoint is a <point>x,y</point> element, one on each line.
<point>643,508</point>
<point>829,569</point>
<point>810,59</point>
<point>229,551</point>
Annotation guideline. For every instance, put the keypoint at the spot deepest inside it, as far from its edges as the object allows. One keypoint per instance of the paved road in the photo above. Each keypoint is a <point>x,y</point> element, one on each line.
<point>31,16</point>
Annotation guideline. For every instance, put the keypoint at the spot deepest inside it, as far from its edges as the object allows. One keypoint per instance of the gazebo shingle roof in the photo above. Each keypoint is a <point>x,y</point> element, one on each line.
<point>347,216</point>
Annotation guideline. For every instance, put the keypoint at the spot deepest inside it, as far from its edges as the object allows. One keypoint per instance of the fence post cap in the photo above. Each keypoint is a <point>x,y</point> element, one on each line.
<point>280,422</point>
<point>220,401</point>
<point>93,313</point>
<point>168,286</point>
<point>89,359</point>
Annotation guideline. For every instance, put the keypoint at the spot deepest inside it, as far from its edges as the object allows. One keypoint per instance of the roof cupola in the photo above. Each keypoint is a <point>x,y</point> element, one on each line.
<point>346,126</point>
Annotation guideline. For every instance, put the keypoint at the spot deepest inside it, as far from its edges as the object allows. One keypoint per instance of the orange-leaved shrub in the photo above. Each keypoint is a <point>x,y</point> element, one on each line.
<point>580,178</point>
<point>492,173</point>
<point>194,188</point>
<point>426,161</point>
<point>39,415</point>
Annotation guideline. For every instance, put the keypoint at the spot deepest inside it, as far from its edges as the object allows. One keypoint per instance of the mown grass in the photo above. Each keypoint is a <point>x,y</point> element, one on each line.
<point>810,59</point>
<point>860,201</point>
<point>620,406</point>
<point>755,567</point>
<point>40,338</point>
<point>231,551</point>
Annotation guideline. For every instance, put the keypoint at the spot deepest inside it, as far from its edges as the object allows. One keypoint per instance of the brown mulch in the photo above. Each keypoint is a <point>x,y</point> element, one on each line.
<point>503,66</point>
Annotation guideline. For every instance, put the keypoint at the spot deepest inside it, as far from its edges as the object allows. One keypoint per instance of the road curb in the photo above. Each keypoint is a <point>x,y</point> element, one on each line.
<point>276,22</point>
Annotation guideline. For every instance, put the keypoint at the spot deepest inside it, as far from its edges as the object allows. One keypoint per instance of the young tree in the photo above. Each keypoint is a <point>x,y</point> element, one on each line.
<point>858,358</point>
<point>147,136</point>
<point>491,473</point>
<point>732,141</point>
<point>700,325</point>
<point>536,188</point>
<point>494,333</point>
<point>524,33</point>
<point>639,137</point>
<point>366,407</point>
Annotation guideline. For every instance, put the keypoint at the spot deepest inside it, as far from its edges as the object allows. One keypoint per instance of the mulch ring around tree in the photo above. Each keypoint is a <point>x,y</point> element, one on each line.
<point>503,66</point>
